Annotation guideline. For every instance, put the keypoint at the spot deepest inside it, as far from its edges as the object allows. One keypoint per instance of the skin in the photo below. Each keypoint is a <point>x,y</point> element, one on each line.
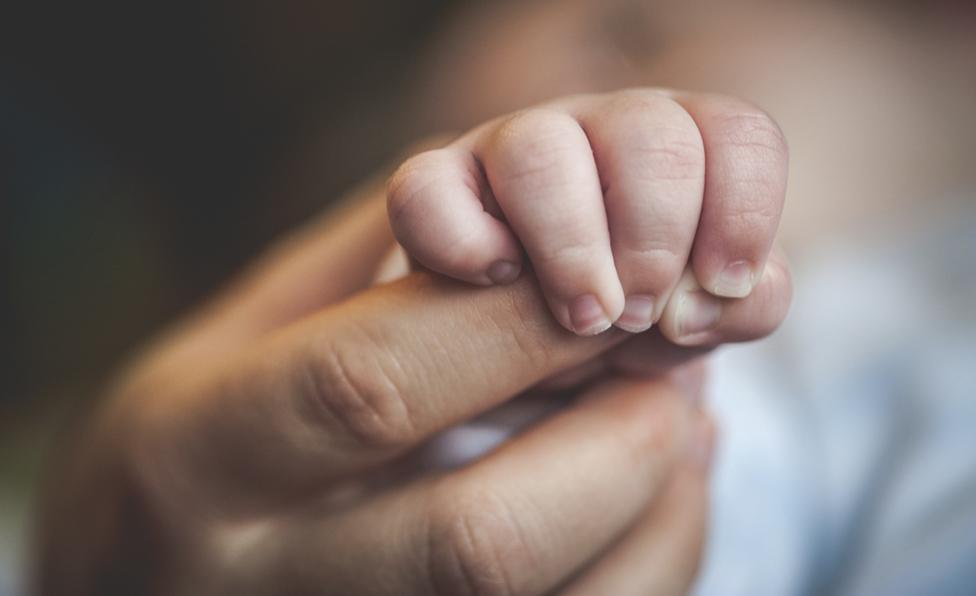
<point>611,197</point>
<point>266,444</point>
<point>875,98</point>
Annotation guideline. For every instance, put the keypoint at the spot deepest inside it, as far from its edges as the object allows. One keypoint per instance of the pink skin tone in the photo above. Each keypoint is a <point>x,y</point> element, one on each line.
<point>633,208</point>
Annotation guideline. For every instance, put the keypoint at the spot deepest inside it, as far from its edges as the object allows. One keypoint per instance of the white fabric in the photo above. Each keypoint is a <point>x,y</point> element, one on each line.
<point>848,456</point>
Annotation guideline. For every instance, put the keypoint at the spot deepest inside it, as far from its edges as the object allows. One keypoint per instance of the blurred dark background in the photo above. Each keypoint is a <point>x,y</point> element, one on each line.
<point>149,149</point>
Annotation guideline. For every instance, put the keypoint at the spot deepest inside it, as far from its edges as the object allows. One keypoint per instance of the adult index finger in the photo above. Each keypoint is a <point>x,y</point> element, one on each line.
<point>357,384</point>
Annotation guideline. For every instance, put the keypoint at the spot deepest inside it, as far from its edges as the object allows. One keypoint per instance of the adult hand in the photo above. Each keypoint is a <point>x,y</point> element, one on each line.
<point>259,449</point>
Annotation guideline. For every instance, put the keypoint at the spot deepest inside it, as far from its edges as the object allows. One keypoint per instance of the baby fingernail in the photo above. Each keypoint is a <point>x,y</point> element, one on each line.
<point>637,315</point>
<point>735,281</point>
<point>587,315</point>
<point>504,272</point>
<point>697,312</point>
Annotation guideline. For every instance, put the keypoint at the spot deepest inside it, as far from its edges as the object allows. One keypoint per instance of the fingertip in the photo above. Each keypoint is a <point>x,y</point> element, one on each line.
<point>504,272</point>
<point>734,280</point>
<point>696,314</point>
<point>696,317</point>
<point>437,212</point>
<point>692,313</point>
<point>588,316</point>
<point>637,315</point>
<point>587,309</point>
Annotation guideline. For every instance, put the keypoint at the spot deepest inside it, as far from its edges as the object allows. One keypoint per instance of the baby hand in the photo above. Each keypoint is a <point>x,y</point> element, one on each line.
<point>611,197</point>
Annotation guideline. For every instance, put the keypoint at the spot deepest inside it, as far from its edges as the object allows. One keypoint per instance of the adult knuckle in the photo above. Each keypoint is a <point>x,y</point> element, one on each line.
<point>523,323</point>
<point>355,397</point>
<point>653,430</point>
<point>475,544</point>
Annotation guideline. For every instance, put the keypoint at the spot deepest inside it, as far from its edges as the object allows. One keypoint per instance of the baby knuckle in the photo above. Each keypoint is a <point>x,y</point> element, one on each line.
<point>754,132</point>
<point>536,124</point>
<point>749,223</point>
<point>535,142</point>
<point>640,99</point>
<point>669,145</point>
<point>672,158</point>
<point>570,253</point>
<point>658,265</point>
<point>752,214</point>
<point>410,180</point>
